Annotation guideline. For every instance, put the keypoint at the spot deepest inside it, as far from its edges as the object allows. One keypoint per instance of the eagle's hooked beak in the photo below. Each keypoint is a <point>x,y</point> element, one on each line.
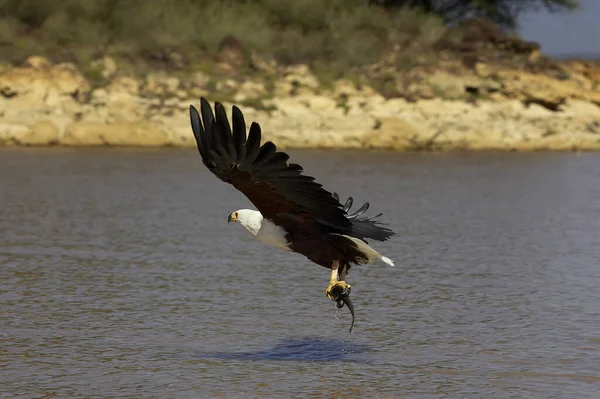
<point>232,218</point>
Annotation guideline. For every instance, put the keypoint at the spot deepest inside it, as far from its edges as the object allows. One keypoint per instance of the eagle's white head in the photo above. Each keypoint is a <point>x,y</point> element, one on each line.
<point>262,229</point>
<point>250,219</point>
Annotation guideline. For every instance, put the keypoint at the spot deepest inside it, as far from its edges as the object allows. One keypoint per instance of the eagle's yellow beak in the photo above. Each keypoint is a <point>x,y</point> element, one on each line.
<point>232,218</point>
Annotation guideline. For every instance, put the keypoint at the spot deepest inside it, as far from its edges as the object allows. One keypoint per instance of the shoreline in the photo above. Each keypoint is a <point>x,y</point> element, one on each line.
<point>490,108</point>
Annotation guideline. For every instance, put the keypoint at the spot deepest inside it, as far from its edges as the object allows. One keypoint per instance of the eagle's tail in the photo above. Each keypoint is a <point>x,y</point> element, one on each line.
<point>365,254</point>
<point>365,227</point>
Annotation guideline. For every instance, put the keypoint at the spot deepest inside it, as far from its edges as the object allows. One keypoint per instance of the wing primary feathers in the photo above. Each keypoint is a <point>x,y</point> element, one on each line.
<point>197,129</point>
<point>210,127</point>
<point>295,166</point>
<point>361,210</point>
<point>267,151</point>
<point>207,114</point>
<point>202,139</point>
<point>222,124</point>
<point>276,163</point>
<point>253,142</point>
<point>221,117</point>
<point>348,204</point>
<point>239,133</point>
<point>205,140</point>
<point>375,216</point>
<point>217,145</point>
<point>365,227</point>
<point>213,135</point>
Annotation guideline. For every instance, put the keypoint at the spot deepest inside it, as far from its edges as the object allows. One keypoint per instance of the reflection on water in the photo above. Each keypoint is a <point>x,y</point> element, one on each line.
<point>120,277</point>
<point>299,349</point>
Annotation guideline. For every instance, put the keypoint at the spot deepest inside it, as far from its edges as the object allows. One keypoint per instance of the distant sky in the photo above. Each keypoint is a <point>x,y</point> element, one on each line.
<point>568,33</point>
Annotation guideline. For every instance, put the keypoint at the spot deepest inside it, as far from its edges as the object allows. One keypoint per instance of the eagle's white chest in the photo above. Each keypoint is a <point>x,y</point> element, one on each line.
<point>271,234</point>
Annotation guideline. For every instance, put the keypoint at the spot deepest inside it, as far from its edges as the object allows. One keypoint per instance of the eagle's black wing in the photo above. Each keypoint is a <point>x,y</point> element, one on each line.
<point>278,190</point>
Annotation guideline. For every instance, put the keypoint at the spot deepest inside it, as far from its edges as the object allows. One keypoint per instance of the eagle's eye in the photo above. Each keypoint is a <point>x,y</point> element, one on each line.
<point>233,217</point>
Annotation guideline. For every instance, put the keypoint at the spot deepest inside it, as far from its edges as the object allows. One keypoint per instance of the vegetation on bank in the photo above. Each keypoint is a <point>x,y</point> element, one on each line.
<point>348,32</point>
<point>373,39</point>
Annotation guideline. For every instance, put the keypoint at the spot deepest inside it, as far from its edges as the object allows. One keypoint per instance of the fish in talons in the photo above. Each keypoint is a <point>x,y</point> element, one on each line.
<point>339,291</point>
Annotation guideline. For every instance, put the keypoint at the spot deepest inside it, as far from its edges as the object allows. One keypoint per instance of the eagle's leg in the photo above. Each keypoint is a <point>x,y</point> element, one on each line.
<point>338,289</point>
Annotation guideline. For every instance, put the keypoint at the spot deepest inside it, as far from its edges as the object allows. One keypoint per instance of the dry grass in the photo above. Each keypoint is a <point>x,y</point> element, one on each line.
<point>342,33</point>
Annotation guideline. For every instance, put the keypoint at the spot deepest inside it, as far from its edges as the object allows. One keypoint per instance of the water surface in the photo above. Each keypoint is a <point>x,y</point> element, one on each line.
<point>120,277</point>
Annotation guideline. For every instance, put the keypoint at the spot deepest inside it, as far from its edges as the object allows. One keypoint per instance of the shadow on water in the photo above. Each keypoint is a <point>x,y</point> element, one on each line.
<point>299,349</point>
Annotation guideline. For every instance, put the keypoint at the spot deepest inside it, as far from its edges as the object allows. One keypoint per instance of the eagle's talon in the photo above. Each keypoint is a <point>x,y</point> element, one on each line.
<point>338,291</point>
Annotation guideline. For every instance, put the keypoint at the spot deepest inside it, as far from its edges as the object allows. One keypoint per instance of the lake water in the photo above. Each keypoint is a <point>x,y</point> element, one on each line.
<point>120,277</point>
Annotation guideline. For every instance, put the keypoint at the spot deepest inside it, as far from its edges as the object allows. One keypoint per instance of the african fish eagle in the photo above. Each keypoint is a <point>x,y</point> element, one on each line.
<point>294,212</point>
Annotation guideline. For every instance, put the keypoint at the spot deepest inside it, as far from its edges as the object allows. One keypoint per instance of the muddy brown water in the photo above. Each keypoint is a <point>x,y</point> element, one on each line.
<point>120,277</point>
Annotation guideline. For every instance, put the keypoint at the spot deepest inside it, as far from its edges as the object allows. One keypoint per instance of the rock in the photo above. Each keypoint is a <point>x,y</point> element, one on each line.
<point>301,75</point>
<point>347,89</point>
<point>227,86</point>
<point>593,73</point>
<point>125,84</point>
<point>535,55</point>
<point>393,133</point>
<point>106,65</point>
<point>44,104</point>
<point>176,125</point>
<point>283,88</point>
<point>262,64</point>
<point>37,62</point>
<point>51,87</point>
<point>580,107</point>
<point>159,84</point>
<point>452,87</point>
<point>249,90</point>
<point>120,100</point>
<point>588,70</point>
<point>447,86</point>
<point>484,70</point>
<point>13,133</point>
<point>543,89</point>
<point>40,133</point>
<point>68,81</point>
<point>199,79</point>
<point>43,132</point>
<point>319,103</point>
<point>141,133</point>
<point>295,121</point>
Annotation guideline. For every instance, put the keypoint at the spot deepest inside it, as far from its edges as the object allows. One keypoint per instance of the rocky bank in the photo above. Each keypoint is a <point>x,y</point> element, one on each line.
<point>488,108</point>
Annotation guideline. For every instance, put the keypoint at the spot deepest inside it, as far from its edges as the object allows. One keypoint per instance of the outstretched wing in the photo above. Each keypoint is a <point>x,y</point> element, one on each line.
<point>277,189</point>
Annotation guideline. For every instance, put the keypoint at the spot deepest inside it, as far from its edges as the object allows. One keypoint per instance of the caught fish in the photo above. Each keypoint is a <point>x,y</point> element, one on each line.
<point>345,300</point>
